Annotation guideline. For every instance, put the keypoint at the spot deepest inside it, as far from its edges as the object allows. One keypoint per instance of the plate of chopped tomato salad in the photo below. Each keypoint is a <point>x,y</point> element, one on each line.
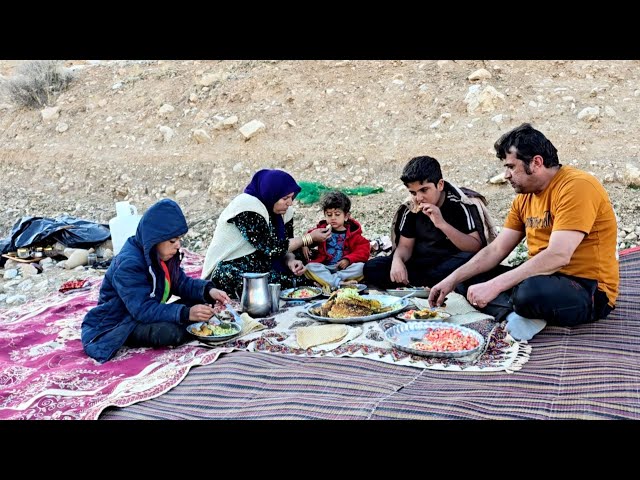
<point>435,339</point>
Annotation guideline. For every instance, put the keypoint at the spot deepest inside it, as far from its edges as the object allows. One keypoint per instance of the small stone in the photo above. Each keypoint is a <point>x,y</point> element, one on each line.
<point>251,129</point>
<point>480,74</point>
<point>10,273</point>
<point>498,179</point>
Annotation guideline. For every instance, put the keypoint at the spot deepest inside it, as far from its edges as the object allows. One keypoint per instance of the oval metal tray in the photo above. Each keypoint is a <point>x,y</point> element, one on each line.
<point>385,300</point>
<point>401,292</point>
<point>400,336</point>
<point>284,295</point>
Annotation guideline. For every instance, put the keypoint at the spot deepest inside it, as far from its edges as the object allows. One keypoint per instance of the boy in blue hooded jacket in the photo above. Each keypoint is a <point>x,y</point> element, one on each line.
<point>132,308</point>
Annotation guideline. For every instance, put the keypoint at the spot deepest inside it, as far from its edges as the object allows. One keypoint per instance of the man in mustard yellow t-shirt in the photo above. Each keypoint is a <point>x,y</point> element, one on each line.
<point>572,274</point>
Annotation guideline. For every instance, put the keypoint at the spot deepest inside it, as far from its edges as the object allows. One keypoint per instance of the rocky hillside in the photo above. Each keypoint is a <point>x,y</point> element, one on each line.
<point>197,130</point>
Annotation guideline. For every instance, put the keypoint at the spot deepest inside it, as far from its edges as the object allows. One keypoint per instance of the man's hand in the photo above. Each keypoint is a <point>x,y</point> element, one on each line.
<point>342,264</point>
<point>306,253</point>
<point>200,313</point>
<point>399,272</point>
<point>440,291</point>
<point>481,294</point>
<point>219,295</point>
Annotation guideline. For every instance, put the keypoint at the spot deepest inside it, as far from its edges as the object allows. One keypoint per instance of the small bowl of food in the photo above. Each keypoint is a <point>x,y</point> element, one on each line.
<point>360,287</point>
<point>301,293</point>
<point>209,332</point>
<point>423,314</point>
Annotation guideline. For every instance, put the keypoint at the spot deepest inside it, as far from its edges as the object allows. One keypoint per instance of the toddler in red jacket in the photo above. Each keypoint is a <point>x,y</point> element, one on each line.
<point>341,257</point>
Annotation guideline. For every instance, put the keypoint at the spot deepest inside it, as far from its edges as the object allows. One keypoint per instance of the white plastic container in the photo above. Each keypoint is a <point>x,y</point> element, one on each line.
<point>123,225</point>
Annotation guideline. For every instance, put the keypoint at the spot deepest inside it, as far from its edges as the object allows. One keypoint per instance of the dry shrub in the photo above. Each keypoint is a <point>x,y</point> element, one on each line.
<point>36,83</point>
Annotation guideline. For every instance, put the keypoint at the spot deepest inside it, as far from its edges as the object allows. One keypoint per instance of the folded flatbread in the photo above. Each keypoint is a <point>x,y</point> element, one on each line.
<point>249,325</point>
<point>308,337</point>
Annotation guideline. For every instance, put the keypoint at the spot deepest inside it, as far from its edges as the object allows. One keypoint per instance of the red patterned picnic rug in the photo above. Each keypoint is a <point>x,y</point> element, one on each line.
<point>44,373</point>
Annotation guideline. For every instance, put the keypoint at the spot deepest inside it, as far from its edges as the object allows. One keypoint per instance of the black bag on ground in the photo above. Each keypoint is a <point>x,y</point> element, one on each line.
<point>70,231</point>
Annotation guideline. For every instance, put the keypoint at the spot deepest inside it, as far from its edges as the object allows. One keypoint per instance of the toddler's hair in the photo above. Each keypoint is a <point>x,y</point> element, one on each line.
<point>335,199</point>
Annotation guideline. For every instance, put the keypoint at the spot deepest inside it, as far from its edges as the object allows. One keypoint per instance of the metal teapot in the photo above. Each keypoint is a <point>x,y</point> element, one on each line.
<point>256,300</point>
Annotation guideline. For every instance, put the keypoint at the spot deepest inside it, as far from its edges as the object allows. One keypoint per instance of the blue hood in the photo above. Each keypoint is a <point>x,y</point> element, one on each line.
<point>163,221</point>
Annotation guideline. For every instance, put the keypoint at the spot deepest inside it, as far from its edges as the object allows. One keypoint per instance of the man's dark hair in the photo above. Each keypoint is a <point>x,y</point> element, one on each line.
<point>335,199</point>
<point>421,169</point>
<point>528,142</point>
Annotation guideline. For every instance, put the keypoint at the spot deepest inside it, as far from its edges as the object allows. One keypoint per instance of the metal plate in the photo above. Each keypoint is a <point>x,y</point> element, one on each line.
<point>385,300</point>
<point>401,336</point>
<point>401,292</point>
<point>360,286</point>
<point>286,294</point>
<point>234,331</point>
<point>441,315</point>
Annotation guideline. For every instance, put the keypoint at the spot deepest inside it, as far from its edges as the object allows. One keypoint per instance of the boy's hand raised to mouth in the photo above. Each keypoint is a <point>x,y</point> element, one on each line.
<point>433,212</point>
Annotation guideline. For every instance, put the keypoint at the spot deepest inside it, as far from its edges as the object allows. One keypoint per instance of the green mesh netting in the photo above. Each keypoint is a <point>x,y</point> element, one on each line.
<point>312,191</point>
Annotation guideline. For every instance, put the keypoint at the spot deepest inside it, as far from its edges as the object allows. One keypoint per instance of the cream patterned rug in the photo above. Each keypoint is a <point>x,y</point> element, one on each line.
<point>366,340</point>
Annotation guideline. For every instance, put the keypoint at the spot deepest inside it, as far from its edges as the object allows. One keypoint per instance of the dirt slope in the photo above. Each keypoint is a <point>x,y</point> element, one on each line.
<point>145,130</point>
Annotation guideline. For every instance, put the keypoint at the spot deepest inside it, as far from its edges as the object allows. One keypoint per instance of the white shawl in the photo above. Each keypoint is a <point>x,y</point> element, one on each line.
<point>228,243</point>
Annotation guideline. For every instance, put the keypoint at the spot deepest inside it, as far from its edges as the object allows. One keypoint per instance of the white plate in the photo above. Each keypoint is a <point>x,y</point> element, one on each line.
<point>234,331</point>
<point>403,335</point>
<point>385,300</point>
